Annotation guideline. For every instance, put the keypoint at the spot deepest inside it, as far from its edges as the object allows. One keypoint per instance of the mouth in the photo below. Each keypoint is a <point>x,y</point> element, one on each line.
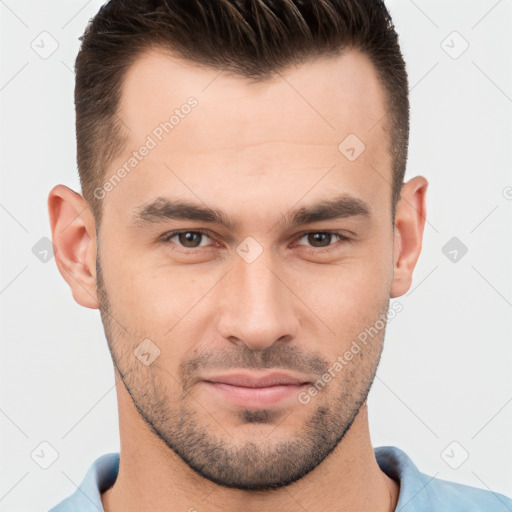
<point>256,391</point>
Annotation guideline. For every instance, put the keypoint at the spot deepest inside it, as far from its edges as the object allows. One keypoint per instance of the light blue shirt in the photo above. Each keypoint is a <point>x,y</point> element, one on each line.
<point>418,491</point>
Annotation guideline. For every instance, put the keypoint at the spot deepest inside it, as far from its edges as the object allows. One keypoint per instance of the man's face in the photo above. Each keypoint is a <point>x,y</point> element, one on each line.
<point>265,294</point>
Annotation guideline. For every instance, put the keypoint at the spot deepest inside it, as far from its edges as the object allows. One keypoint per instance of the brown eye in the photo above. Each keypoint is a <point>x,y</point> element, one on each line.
<point>187,239</point>
<point>322,239</point>
<point>319,239</point>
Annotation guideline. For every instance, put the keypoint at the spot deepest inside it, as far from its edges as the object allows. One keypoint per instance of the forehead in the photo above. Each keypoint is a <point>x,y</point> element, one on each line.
<point>329,95</point>
<point>286,132</point>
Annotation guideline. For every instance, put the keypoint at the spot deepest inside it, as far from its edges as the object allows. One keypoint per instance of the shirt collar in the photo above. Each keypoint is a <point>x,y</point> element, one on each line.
<point>393,461</point>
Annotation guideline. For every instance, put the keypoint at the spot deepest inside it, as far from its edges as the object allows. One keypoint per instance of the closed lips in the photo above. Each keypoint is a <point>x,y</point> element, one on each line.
<point>248,381</point>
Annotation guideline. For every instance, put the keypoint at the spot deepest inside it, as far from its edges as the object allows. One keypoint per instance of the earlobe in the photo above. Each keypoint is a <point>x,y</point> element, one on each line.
<point>74,235</point>
<point>409,226</point>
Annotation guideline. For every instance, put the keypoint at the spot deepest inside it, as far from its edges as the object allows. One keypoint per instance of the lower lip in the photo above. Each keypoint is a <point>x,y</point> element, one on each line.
<point>255,397</point>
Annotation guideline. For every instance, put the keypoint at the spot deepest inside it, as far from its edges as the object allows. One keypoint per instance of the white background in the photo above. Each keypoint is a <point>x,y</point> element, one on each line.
<point>445,372</point>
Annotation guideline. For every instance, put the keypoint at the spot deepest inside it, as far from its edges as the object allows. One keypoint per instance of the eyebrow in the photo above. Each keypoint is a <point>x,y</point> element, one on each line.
<point>165,208</point>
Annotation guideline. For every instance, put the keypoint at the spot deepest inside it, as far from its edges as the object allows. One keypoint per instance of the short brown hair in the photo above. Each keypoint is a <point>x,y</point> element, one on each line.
<point>249,38</point>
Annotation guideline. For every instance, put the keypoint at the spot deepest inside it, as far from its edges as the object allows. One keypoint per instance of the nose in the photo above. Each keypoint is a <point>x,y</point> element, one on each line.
<point>257,305</point>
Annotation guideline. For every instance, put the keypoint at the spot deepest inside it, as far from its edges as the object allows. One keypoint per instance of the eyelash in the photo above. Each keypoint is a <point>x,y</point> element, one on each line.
<point>166,237</point>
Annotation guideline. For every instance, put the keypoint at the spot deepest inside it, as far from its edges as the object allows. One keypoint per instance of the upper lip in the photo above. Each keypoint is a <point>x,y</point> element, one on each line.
<point>251,380</point>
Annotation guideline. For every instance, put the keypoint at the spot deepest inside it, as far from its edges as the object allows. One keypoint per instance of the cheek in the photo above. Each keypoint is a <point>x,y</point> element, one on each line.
<point>139,299</point>
<point>349,296</point>
<point>156,303</point>
<point>168,305</point>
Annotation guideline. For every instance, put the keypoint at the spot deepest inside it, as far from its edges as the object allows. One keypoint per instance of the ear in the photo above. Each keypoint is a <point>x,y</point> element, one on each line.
<point>410,218</point>
<point>74,235</point>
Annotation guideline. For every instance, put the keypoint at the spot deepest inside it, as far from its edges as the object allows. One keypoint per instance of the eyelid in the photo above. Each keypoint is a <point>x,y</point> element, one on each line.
<point>344,238</point>
<point>171,234</point>
<point>341,233</point>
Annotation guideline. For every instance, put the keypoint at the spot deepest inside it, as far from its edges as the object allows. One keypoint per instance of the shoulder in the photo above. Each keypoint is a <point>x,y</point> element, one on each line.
<point>467,498</point>
<point>421,492</point>
<point>87,497</point>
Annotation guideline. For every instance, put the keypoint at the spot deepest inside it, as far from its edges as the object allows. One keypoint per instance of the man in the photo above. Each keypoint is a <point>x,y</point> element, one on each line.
<point>243,221</point>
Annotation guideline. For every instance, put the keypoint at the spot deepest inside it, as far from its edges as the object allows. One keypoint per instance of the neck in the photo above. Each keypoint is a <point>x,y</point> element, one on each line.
<point>348,479</point>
